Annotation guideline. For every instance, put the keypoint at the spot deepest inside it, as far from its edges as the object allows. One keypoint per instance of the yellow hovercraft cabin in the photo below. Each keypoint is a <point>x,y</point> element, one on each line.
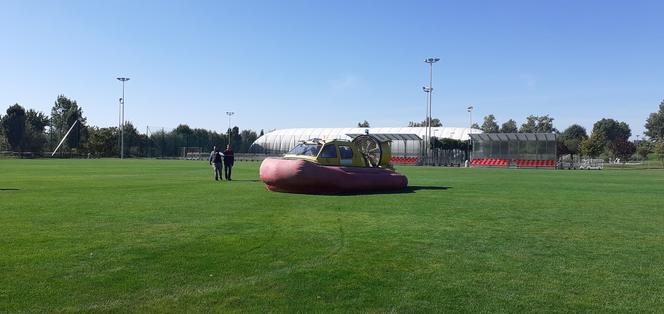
<point>363,151</point>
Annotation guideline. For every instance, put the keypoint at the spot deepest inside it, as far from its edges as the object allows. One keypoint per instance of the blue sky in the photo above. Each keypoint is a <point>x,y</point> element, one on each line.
<point>281,64</point>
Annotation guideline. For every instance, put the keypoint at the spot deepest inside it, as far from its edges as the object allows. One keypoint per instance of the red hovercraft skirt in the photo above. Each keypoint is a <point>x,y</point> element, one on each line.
<point>300,176</point>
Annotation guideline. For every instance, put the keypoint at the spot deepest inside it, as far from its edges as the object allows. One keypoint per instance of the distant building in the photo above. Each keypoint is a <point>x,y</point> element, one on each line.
<point>281,141</point>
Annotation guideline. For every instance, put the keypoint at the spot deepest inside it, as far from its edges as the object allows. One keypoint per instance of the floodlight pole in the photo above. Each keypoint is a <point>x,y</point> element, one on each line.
<point>470,129</point>
<point>122,123</point>
<point>426,119</point>
<point>429,91</point>
<point>229,114</point>
<point>119,120</point>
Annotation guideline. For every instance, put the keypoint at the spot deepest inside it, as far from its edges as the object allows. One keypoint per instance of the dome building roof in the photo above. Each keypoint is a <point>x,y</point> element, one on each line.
<point>281,141</point>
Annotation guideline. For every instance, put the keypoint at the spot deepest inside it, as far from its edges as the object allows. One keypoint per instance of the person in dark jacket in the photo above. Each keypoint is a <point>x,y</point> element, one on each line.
<point>215,158</point>
<point>229,159</point>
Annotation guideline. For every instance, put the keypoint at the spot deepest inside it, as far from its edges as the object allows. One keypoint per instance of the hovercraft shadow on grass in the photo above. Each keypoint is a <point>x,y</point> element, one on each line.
<point>408,190</point>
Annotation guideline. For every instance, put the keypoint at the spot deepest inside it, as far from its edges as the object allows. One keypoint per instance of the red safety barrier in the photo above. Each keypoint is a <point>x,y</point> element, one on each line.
<point>492,162</point>
<point>535,163</point>
<point>403,160</point>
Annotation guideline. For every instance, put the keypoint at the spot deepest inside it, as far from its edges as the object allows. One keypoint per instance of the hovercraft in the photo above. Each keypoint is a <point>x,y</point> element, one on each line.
<point>333,167</point>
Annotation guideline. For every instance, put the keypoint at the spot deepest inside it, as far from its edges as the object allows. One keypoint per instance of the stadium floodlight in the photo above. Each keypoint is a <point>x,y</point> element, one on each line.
<point>122,120</point>
<point>470,113</point>
<point>429,91</point>
<point>470,129</point>
<point>229,114</point>
<point>426,89</point>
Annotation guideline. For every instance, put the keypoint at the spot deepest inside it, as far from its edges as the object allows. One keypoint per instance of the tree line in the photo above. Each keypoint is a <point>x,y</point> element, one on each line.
<point>609,137</point>
<point>29,130</point>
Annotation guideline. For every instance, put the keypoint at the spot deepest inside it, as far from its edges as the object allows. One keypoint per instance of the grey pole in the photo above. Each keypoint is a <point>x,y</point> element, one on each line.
<point>426,118</point>
<point>122,123</point>
<point>119,120</point>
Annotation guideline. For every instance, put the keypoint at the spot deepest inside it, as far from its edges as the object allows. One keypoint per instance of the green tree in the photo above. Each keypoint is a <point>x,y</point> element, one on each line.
<point>364,124</point>
<point>103,141</point>
<point>132,140</point>
<point>184,132</point>
<point>248,137</point>
<point>475,126</point>
<point>435,122</point>
<point>538,124</point>
<point>545,124</point>
<point>530,126</point>
<point>575,131</point>
<point>490,125</point>
<point>593,146</point>
<point>622,149</point>
<point>201,137</point>
<point>34,139</point>
<point>2,136</point>
<point>37,120</point>
<point>163,143</point>
<point>509,127</point>
<point>612,130</point>
<point>167,143</point>
<point>183,129</point>
<point>612,133</point>
<point>644,148</point>
<point>571,139</point>
<point>13,125</point>
<point>659,150</point>
<point>655,124</point>
<point>235,138</point>
<point>63,115</point>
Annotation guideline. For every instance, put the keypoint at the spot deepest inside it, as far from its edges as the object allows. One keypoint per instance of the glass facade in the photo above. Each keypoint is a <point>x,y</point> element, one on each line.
<point>514,146</point>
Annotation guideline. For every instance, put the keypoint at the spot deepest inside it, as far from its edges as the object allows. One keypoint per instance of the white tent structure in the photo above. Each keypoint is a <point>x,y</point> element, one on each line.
<point>281,141</point>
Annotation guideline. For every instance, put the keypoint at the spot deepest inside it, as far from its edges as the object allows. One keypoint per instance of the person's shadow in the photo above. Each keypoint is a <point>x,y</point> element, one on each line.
<point>9,189</point>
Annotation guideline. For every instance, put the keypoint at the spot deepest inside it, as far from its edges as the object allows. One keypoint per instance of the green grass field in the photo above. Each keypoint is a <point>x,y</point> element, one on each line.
<point>161,236</point>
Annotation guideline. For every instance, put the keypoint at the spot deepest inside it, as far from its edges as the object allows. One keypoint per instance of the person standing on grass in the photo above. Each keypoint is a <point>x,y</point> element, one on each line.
<point>215,157</point>
<point>229,160</point>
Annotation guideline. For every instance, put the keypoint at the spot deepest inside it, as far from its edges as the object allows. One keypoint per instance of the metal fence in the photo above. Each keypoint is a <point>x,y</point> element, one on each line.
<point>444,157</point>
